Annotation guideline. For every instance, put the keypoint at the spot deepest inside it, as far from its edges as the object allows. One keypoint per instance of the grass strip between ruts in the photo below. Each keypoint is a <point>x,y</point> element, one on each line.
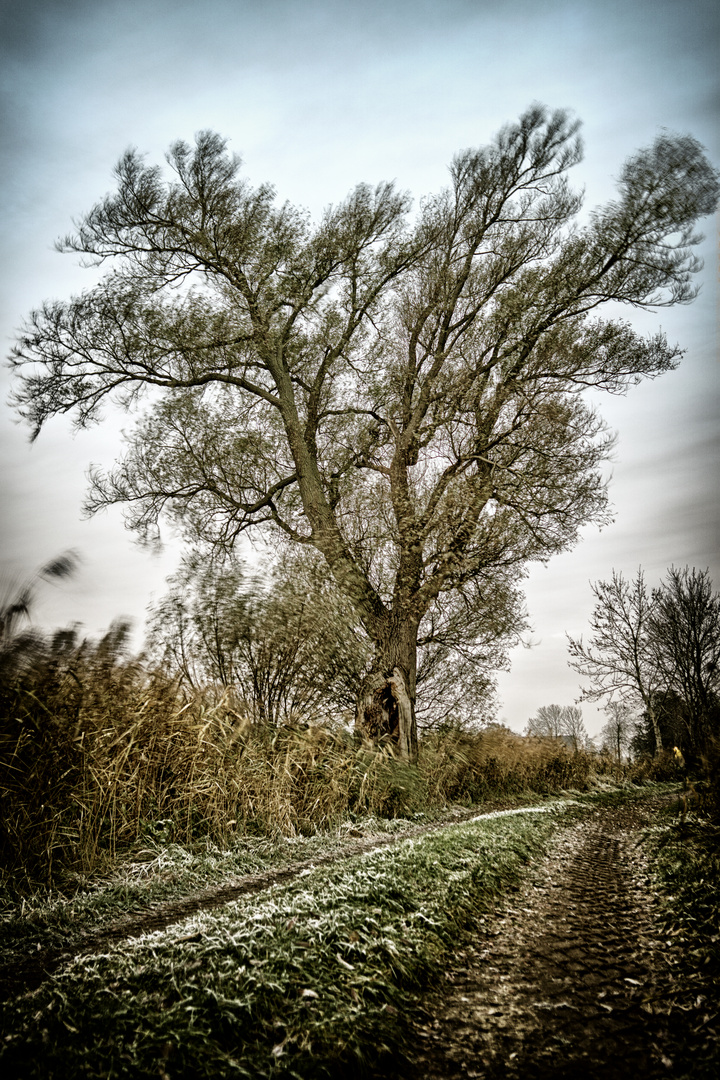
<point>170,873</point>
<point>312,979</point>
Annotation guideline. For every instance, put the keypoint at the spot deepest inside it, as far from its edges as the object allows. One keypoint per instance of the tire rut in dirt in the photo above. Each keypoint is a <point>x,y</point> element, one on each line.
<point>558,984</point>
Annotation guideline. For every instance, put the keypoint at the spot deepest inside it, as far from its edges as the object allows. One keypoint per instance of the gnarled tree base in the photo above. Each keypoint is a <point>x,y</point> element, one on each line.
<point>385,709</point>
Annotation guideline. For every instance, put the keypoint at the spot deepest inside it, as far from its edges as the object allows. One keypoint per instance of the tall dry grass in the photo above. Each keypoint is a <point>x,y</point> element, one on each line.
<point>98,754</point>
<point>466,766</point>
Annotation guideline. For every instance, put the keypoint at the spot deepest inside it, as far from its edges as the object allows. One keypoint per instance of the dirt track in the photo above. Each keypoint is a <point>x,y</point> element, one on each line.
<point>568,978</point>
<point>566,981</point>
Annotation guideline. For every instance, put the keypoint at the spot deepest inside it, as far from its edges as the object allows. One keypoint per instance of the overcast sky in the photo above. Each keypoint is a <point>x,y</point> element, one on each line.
<point>317,95</point>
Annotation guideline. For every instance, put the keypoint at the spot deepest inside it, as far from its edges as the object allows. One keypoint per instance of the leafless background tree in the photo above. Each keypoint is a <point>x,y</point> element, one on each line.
<point>619,729</point>
<point>559,722</point>
<point>658,653</point>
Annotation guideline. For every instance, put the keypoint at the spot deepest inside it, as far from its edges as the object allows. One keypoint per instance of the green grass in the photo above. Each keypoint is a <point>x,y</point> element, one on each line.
<point>685,858</point>
<point>49,919</point>
<point>309,980</point>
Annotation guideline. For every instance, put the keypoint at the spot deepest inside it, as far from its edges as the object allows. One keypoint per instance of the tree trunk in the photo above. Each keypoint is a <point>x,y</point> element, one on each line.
<point>386,702</point>
<point>656,728</point>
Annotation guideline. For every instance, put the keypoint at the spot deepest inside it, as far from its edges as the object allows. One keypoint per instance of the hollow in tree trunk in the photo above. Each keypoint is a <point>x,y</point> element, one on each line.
<point>386,702</point>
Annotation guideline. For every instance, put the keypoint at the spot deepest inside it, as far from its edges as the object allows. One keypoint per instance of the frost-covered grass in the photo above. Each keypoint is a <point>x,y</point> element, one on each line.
<point>309,979</point>
<point>685,857</point>
<point>50,920</point>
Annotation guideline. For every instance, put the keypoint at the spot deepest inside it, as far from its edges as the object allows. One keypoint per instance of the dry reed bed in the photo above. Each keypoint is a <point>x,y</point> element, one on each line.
<point>98,756</point>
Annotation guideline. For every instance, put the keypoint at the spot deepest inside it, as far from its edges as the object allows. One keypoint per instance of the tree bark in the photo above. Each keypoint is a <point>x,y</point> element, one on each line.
<point>386,701</point>
<point>656,728</point>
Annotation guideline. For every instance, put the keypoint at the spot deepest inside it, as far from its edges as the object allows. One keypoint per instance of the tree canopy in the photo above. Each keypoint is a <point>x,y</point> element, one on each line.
<point>287,642</point>
<point>400,390</point>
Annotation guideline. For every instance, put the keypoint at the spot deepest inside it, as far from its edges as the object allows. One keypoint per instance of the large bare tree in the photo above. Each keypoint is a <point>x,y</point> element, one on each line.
<point>401,392</point>
<point>620,660</point>
<point>658,651</point>
<point>685,635</point>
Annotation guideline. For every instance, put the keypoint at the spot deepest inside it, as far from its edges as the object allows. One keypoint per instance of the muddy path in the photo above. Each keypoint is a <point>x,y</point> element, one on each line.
<point>567,979</point>
<point>29,972</point>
